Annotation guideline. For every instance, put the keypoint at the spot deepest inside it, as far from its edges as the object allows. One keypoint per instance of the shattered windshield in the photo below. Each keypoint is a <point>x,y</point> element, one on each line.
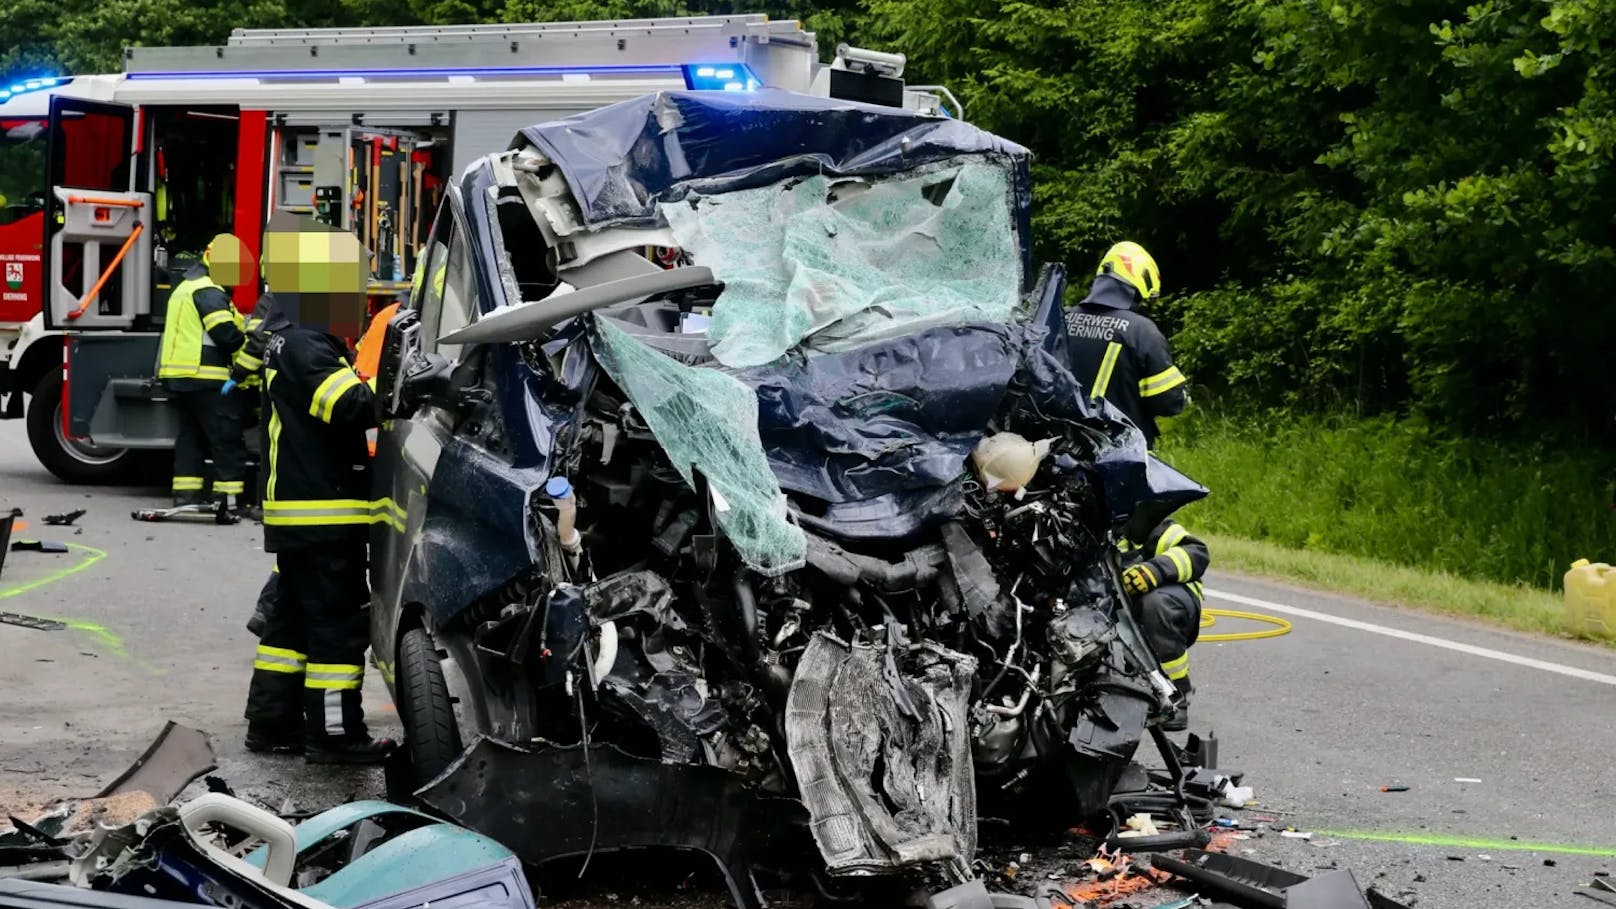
<point>834,263</point>
<point>817,266</point>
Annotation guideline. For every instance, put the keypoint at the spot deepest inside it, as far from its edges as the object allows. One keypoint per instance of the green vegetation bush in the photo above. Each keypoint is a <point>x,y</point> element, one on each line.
<point>1398,491</point>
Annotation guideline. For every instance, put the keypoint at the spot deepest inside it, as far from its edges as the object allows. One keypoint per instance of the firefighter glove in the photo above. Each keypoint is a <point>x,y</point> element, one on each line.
<point>1140,579</point>
<point>228,385</point>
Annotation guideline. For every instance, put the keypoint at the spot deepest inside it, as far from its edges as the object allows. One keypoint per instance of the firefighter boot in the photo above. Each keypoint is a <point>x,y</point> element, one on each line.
<point>261,740</point>
<point>1180,720</point>
<point>359,751</point>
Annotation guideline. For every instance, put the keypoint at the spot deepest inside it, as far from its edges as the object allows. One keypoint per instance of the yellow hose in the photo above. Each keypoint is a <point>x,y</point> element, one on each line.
<point>1209,618</point>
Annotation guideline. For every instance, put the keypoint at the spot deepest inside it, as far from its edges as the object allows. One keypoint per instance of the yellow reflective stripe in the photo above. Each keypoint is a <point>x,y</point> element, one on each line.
<point>334,512</point>
<point>1195,588</point>
<point>1154,581</point>
<point>1102,379</point>
<point>211,372</point>
<point>314,520</point>
<point>268,666</point>
<point>1181,561</point>
<point>318,505</point>
<point>1166,380</point>
<point>187,484</point>
<point>274,438</point>
<point>229,487</point>
<point>326,395</point>
<point>333,675</point>
<point>216,318</point>
<point>1171,537</point>
<point>278,659</point>
<point>247,361</point>
<point>1177,669</point>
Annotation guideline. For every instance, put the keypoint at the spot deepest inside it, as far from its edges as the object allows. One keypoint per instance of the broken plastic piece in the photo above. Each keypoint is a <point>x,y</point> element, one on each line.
<point>28,621</point>
<point>38,546</point>
<point>65,519</point>
<point>1140,825</point>
<point>177,756</point>
<point>1236,796</point>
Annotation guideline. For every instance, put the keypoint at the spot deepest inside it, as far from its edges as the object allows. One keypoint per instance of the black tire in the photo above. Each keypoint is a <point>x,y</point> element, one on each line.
<point>431,733</point>
<point>74,464</point>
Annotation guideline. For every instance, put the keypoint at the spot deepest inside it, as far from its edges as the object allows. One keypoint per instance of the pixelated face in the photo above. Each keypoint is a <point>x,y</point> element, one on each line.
<point>229,261</point>
<point>317,273</point>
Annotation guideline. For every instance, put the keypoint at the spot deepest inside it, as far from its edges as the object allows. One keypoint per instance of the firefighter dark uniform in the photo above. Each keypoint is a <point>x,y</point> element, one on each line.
<point>1163,571</point>
<point>201,332</point>
<point>1117,351</point>
<point>246,370</point>
<point>307,674</point>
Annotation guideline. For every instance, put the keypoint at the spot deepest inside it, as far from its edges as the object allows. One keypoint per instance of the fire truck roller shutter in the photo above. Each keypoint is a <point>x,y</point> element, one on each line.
<point>482,132</point>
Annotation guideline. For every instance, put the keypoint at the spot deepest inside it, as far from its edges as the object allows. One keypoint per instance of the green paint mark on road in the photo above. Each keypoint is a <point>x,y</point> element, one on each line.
<point>99,633</point>
<point>1463,842</point>
<point>96,555</point>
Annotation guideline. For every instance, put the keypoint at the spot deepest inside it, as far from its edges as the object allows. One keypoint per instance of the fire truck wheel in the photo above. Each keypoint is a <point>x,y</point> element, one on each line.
<point>73,461</point>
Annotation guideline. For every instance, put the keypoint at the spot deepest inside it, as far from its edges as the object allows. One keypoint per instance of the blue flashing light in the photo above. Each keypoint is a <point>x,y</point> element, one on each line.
<point>728,77</point>
<point>31,85</point>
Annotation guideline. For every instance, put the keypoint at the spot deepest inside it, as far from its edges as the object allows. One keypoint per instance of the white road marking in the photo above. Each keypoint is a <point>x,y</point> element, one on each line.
<point>1445,644</point>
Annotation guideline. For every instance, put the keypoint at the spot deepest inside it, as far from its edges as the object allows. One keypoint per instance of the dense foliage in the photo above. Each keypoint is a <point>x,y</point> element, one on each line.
<point>1401,206</point>
<point>1397,491</point>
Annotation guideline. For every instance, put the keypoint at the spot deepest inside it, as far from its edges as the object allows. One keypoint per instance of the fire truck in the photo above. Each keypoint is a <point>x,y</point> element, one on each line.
<point>111,185</point>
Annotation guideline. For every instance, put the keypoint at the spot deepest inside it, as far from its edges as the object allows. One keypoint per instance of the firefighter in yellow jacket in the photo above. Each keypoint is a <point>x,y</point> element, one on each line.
<point>1163,570</point>
<point>309,667</point>
<point>202,331</point>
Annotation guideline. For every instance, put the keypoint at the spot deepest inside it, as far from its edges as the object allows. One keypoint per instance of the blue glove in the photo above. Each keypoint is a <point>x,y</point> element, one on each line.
<point>228,384</point>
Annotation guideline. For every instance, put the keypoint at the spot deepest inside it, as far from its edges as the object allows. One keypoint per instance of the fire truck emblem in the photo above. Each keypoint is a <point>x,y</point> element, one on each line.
<point>14,275</point>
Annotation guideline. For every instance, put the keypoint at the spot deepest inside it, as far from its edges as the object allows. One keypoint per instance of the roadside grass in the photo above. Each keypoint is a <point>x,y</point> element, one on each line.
<point>1513,606</point>
<point>1391,510</point>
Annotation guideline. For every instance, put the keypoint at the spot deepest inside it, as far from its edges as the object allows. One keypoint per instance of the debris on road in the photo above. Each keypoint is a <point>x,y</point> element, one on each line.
<point>65,519</point>
<point>1395,787</point>
<point>1465,779</point>
<point>218,513</point>
<point>177,756</point>
<point>1252,884</point>
<point>28,621</point>
<point>38,546</point>
<point>8,522</point>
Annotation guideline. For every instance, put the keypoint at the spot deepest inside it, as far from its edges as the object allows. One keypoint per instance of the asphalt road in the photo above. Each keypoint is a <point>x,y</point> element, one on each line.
<point>1319,719</point>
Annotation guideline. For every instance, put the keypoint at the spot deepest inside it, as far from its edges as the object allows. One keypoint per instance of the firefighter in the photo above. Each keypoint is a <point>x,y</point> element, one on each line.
<point>246,372</point>
<point>1117,351</point>
<point>249,362</point>
<point>309,668</point>
<point>201,332</point>
<point>1163,570</point>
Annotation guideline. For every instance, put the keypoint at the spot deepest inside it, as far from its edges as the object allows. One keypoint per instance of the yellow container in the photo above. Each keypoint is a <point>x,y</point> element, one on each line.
<point>1590,598</point>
